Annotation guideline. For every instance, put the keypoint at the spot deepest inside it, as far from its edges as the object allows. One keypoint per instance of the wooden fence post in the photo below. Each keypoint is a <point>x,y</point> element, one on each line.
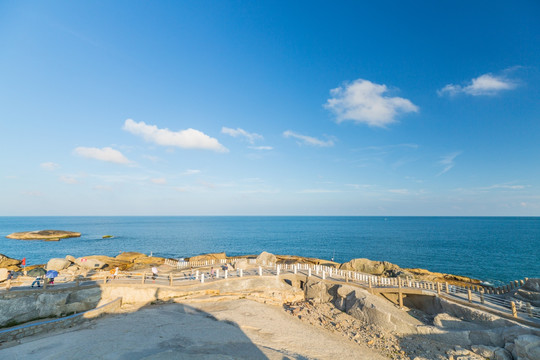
<point>447,289</point>
<point>514,310</point>
<point>202,278</point>
<point>260,270</point>
<point>369,283</point>
<point>469,294</point>
<point>482,296</point>
<point>226,274</point>
<point>278,270</point>
<point>170,279</point>
<point>438,288</point>
<point>241,273</point>
<point>143,278</point>
<point>309,272</point>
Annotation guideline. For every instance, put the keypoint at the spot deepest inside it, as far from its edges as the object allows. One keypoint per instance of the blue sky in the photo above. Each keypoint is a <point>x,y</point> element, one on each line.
<point>269,108</point>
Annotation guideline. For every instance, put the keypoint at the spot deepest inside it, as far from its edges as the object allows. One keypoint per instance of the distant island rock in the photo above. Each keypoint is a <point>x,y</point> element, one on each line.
<point>49,235</point>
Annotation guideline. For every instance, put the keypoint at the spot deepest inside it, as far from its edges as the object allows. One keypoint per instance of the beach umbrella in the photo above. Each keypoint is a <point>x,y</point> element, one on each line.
<point>36,272</point>
<point>51,274</point>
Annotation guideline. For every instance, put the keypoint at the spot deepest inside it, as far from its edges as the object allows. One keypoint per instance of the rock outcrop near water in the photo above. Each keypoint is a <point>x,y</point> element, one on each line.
<point>530,292</point>
<point>8,263</point>
<point>49,235</point>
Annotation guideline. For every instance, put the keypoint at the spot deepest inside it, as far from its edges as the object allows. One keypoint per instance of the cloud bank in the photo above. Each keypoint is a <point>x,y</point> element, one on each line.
<point>364,102</point>
<point>487,84</point>
<point>185,139</point>
<point>104,154</point>
<point>250,137</point>
<point>308,140</point>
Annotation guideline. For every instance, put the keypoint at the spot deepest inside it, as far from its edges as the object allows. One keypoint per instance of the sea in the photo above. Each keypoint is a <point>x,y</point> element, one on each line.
<point>493,249</point>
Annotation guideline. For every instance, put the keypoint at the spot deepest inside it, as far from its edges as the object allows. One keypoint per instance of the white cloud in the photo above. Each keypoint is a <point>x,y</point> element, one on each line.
<point>364,102</point>
<point>448,162</point>
<point>104,154</point>
<point>185,139</point>
<point>50,166</point>
<point>250,137</point>
<point>308,140</point>
<point>487,84</point>
<point>505,187</point>
<point>159,181</point>
<point>261,147</point>
<point>318,191</point>
<point>191,172</point>
<point>68,179</point>
<point>399,191</point>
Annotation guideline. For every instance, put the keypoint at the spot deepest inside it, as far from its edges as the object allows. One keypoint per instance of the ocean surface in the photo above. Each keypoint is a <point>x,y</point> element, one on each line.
<point>493,249</point>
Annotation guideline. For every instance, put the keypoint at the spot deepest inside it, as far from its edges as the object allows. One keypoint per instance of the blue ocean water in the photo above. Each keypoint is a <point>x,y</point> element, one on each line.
<point>494,249</point>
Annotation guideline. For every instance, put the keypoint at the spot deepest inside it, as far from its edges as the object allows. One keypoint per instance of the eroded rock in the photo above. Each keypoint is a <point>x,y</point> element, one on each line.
<point>43,235</point>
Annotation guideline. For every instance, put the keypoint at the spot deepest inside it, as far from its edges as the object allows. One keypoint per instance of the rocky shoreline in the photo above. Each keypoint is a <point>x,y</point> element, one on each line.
<point>425,328</point>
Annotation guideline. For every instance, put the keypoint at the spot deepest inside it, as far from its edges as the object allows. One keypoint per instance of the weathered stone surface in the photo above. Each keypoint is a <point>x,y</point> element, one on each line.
<point>449,322</point>
<point>317,291</point>
<point>3,274</point>
<point>491,352</point>
<point>149,260</point>
<point>207,257</point>
<point>241,264</point>
<point>369,266</point>
<point>9,263</point>
<point>526,347</point>
<point>266,258</point>
<point>71,258</point>
<point>58,264</point>
<point>130,256</point>
<point>27,307</point>
<point>90,263</point>
<point>530,292</point>
<point>43,235</point>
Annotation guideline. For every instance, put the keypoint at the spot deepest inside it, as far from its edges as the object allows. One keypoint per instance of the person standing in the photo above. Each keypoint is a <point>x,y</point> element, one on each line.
<point>154,273</point>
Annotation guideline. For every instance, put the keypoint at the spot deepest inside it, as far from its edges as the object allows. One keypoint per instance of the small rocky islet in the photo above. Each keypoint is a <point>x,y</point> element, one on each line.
<point>47,235</point>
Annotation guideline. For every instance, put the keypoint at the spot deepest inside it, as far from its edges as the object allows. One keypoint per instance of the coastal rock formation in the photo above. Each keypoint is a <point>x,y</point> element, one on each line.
<point>266,258</point>
<point>9,263</point>
<point>58,264</point>
<point>526,347</point>
<point>207,257</point>
<point>369,266</point>
<point>530,292</point>
<point>44,235</point>
<point>130,256</point>
<point>388,269</point>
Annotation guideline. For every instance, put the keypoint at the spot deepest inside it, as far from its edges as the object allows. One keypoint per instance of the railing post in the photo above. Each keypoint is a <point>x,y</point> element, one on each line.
<point>226,274</point>
<point>105,278</point>
<point>514,310</point>
<point>170,279</point>
<point>400,295</point>
<point>469,295</point>
<point>438,288</point>
<point>260,270</point>
<point>309,272</point>
<point>482,296</point>
<point>369,283</point>
<point>447,289</point>
<point>241,273</point>
<point>143,278</point>
<point>217,273</point>
<point>323,275</point>
<point>197,275</point>
<point>202,278</point>
<point>295,269</point>
<point>278,270</point>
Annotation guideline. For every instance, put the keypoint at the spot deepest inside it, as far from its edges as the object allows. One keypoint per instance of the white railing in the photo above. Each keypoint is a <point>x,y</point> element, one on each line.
<point>477,295</point>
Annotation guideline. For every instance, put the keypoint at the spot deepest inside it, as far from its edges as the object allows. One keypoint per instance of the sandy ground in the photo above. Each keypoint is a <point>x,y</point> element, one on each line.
<point>238,329</point>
